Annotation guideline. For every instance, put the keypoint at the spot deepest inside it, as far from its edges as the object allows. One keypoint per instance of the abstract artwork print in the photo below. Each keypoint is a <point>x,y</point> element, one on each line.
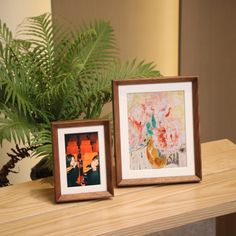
<point>156,129</point>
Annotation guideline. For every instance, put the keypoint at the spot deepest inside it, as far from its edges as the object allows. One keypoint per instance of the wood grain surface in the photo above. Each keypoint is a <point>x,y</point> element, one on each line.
<point>29,208</point>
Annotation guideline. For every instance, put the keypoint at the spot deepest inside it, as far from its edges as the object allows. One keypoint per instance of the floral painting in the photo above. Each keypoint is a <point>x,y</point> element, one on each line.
<point>156,129</point>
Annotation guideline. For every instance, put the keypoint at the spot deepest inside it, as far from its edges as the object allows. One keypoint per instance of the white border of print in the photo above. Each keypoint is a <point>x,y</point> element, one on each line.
<point>127,173</point>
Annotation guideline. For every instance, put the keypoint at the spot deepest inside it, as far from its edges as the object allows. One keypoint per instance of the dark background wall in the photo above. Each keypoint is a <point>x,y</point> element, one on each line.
<point>208,49</point>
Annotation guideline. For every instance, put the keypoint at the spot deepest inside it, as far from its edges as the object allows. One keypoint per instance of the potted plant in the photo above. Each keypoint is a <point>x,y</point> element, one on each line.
<point>49,73</point>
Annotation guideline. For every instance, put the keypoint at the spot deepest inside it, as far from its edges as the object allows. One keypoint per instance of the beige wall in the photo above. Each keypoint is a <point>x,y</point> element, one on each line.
<point>143,29</point>
<point>12,12</point>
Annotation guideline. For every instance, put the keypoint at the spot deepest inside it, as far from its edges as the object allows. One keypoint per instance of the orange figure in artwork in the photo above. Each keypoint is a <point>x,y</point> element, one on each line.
<point>154,157</point>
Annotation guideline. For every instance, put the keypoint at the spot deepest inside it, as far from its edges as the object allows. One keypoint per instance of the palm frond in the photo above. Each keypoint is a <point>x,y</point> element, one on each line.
<point>14,126</point>
<point>99,52</point>
<point>39,31</point>
<point>53,91</point>
<point>73,103</point>
<point>5,34</point>
<point>17,90</point>
<point>43,142</point>
<point>99,88</point>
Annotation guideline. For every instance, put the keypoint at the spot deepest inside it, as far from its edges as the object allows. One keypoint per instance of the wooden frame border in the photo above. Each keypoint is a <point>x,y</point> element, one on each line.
<point>197,149</point>
<point>59,197</point>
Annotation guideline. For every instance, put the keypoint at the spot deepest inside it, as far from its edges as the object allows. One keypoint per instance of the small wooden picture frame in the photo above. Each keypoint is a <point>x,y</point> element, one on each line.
<point>156,131</point>
<point>82,160</point>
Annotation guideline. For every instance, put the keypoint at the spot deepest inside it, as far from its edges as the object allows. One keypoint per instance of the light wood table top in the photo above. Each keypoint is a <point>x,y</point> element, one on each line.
<point>29,208</point>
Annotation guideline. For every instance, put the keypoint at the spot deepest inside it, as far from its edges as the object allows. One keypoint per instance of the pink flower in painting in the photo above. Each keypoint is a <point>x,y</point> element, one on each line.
<point>138,125</point>
<point>162,137</point>
<point>156,117</point>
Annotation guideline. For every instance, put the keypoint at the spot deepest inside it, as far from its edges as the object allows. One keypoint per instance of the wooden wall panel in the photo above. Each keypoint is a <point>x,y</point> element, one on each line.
<point>208,49</point>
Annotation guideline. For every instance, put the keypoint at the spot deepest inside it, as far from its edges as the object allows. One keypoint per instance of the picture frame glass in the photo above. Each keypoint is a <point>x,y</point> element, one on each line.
<point>91,180</point>
<point>156,125</point>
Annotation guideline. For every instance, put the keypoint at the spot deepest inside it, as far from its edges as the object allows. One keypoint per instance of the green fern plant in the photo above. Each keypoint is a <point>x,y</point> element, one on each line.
<point>49,73</point>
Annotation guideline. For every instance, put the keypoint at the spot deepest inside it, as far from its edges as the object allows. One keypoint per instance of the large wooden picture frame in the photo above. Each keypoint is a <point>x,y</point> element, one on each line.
<point>82,160</point>
<point>156,131</point>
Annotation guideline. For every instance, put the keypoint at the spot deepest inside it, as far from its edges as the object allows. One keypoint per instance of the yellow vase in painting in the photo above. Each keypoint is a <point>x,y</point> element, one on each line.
<point>153,156</point>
